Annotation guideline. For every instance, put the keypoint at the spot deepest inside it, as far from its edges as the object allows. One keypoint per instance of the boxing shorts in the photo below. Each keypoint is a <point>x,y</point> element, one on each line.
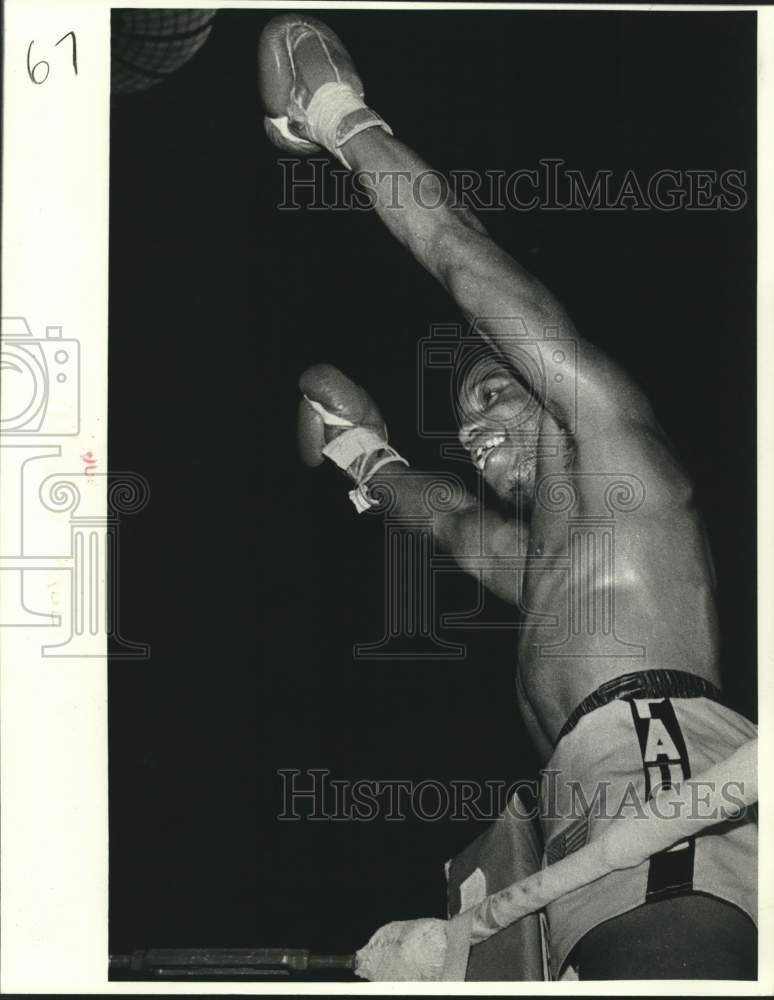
<point>637,733</point>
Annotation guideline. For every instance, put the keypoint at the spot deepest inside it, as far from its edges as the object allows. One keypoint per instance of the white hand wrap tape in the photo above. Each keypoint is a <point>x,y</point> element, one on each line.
<point>336,114</point>
<point>353,448</point>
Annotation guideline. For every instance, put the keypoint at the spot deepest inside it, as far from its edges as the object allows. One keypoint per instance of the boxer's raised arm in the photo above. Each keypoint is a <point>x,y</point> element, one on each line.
<point>315,99</point>
<point>338,420</point>
<point>512,310</point>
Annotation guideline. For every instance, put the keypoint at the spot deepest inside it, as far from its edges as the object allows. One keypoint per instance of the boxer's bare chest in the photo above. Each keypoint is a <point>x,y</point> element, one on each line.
<point>617,580</point>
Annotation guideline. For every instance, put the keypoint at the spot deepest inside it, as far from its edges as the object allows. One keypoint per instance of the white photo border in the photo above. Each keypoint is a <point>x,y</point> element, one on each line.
<point>53,735</point>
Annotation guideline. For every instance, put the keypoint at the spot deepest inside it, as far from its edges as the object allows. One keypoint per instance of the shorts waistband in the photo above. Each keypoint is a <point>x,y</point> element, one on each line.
<point>643,684</point>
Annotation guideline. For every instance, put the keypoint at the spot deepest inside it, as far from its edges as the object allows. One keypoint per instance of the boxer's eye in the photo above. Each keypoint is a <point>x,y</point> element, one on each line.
<point>489,394</point>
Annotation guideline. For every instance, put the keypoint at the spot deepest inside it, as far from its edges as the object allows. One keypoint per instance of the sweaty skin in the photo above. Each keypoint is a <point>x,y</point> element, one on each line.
<point>590,427</point>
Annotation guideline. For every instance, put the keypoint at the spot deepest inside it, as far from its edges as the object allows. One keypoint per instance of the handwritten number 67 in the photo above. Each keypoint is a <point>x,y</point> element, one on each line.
<point>38,72</point>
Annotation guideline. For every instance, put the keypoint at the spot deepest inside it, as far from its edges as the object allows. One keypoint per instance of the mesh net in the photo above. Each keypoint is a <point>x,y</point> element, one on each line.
<point>148,45</point>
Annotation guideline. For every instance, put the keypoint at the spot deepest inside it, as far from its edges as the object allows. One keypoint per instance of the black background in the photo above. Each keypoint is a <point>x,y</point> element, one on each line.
<point>250,576</point>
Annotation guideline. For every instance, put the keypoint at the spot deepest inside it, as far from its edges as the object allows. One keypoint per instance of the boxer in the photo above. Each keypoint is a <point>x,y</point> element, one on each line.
<point>640,719</point>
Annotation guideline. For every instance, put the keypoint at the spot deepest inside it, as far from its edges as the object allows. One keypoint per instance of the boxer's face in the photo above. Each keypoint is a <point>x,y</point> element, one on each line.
<point>499,426</point>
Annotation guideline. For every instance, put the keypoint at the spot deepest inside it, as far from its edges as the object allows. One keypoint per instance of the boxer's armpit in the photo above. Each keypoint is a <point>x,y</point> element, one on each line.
<point>490,548</point>
<point>523,321</point>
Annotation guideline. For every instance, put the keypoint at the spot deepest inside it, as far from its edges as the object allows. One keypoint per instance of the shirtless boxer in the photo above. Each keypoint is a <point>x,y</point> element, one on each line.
<point>651,715</point>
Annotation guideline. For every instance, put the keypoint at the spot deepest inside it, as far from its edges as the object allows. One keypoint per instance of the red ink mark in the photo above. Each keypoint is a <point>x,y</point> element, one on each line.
<point>91,463</point>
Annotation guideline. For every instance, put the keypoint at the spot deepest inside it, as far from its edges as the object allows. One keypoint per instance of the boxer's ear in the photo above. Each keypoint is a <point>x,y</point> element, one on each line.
<point>310,435</point>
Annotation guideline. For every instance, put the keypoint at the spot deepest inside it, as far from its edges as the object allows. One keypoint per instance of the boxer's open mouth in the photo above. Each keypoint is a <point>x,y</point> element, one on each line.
<point>482,451</point>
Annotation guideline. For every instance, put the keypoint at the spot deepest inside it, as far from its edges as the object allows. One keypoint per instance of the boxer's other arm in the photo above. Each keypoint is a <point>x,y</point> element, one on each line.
<point>340,421</point>
<point>481,541</point>
<point>488,285</point>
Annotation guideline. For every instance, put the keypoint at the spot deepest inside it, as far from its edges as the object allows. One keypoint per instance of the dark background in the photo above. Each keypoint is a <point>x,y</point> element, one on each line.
<point>250,576</point>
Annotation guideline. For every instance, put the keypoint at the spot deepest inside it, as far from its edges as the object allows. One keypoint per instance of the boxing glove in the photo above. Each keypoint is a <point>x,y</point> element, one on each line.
<point>337,419</point>
<point>311,91</point>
